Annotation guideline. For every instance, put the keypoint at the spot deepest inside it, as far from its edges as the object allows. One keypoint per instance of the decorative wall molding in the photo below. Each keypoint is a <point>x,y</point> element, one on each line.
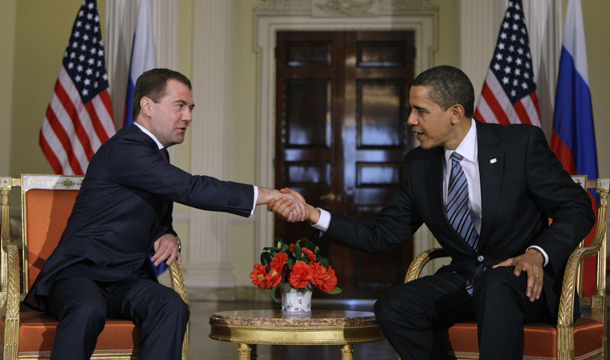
<point>305,7</point>
<point>296,15</point>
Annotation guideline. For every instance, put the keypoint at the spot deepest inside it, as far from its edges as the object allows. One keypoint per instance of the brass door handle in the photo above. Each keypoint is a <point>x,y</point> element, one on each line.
<point>330,197</point>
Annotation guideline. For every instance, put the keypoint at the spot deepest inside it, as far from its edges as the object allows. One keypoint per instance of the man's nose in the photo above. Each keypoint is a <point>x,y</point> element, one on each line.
<point>412,120</point>
<point>187,117</point>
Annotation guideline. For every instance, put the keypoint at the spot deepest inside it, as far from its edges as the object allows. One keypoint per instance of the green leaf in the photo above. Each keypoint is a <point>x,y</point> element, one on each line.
<point>310,287</point>
<point>298,254</point>
<point>273,294</point>
<point>310,245</point>
<point>335,291</point>
<point>266,258</point>
<point>324,262</point>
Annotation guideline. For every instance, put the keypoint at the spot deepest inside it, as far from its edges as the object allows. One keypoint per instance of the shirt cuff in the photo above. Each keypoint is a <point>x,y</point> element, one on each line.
<point>255,199</point>
<point>323,221</point>
<point>546,257</point>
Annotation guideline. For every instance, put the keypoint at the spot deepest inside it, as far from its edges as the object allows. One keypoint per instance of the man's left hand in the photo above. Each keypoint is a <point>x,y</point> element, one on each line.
<point>530,262</point>
<point>166,249</point>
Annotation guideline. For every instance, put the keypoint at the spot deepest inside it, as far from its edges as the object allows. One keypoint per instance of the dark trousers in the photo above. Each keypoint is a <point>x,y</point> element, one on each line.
<point>410,315</point>
<point>82,306</point>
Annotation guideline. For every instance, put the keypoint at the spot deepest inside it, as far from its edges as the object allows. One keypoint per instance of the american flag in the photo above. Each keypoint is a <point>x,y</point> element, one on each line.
<point>509,91</point>
<point>79,115</point>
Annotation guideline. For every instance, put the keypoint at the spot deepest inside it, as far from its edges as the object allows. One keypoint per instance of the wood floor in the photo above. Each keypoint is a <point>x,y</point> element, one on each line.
<point>201,347</point>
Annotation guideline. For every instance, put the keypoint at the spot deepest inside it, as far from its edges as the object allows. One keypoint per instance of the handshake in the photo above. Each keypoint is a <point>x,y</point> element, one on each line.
<point>288,205</point>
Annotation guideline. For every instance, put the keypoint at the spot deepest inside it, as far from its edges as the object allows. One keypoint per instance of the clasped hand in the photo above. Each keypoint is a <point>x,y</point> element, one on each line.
<point>284,207</point>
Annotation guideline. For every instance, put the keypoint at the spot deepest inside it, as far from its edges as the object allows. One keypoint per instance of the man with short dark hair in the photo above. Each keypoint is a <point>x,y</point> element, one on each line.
<point>123,213</point>
<point>486,192</point>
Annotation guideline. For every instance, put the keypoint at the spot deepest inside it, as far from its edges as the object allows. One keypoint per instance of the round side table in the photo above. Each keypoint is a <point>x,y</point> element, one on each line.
<point>322,327</point>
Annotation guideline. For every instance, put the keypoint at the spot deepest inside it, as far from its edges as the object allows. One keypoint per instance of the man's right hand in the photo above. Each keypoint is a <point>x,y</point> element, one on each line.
<point>296,203</point>
<point>282,207</point>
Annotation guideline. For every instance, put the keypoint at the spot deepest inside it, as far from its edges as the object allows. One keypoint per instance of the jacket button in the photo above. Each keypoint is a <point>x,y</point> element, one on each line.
<point>480,258</point>
<point>133,270</point>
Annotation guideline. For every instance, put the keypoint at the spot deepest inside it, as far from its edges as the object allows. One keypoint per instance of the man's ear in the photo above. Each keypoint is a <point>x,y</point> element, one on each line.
<point>457,113</point>
<point>146,106</point>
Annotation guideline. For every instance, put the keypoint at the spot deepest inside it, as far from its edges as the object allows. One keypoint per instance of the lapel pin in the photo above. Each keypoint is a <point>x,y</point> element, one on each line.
<point>493,161</point>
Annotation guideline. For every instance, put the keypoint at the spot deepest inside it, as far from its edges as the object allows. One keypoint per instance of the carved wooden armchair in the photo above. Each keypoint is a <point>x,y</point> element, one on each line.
<point>46,204</point>
<point>586,338</point>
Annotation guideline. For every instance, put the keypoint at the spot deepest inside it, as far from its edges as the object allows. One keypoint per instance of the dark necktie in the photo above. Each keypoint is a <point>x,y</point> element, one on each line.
<point>458,213</point>
<point>165,203</point>
<point>164,154</point>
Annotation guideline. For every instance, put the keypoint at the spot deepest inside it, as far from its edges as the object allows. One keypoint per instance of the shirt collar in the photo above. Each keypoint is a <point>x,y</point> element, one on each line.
<point>145,130</point>
<point>468,147</point>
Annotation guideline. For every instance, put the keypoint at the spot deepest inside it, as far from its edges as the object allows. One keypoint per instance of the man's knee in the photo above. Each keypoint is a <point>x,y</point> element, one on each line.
<point>500,280</point>
<point>174,304</point>
<point>391,306</point>
<point>89,315</point>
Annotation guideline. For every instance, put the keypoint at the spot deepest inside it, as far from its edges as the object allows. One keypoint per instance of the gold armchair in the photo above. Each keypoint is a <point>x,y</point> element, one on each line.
<point>46,204</point>
<point>585,338</point>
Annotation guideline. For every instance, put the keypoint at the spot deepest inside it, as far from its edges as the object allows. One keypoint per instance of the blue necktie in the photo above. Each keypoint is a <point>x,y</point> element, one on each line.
<point>458,212</point>
<point>458,208</point>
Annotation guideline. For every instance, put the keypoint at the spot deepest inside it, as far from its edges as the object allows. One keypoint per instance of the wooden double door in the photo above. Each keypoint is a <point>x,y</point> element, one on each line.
<point>342,109</point>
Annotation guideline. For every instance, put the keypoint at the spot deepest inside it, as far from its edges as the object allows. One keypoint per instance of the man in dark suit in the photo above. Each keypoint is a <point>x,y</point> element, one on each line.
<point>486,192</point>
<point>123,213</point>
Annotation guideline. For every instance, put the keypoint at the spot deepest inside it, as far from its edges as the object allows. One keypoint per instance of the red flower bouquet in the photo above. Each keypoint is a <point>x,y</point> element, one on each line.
<point>298,264</point>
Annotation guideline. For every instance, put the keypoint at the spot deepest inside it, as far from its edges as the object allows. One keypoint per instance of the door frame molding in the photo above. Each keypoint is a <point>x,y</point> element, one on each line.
<point>419,16</point>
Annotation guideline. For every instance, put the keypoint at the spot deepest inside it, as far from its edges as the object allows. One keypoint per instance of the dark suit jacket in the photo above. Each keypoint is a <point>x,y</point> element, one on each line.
<point>520,190</point>
<point>123,206</point>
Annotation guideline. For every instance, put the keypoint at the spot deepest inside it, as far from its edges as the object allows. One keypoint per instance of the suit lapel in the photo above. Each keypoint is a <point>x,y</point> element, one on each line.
<point>491,170</point>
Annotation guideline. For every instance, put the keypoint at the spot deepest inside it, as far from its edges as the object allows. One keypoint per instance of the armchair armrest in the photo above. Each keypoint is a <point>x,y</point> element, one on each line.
<point>177,281</point>
<point>597,247</point>
<point>421,260</point>
<point>11,312</point>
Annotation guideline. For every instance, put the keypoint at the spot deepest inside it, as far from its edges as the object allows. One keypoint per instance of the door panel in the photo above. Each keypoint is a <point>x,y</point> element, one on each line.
<point>341,136</point>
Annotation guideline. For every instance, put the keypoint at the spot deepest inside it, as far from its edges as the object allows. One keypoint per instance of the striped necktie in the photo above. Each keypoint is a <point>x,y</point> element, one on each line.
<point>458,213</point>
<point>458,208</point>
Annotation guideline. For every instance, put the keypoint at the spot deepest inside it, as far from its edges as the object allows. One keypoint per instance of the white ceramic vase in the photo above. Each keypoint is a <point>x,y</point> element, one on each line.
<point>295,301</point>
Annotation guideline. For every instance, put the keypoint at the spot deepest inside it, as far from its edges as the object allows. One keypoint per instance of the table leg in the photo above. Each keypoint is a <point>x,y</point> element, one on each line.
<point>244,352</point>
<point>347,352</point>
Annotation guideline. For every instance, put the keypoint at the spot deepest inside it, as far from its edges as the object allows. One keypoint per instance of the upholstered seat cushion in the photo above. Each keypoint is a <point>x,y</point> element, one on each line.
<point>37,332</point>
<point>540,339</point>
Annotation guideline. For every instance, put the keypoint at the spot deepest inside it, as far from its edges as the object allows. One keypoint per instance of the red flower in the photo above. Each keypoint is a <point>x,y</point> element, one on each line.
<point>300,275</point>
<point>323,279</point>
<point>258,276</point>
<point>309,254</point>
<point>273,278</point>
<point>279,260</point>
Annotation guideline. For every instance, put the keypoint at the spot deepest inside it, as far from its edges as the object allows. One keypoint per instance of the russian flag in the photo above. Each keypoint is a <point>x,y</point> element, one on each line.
<point>573,139</point>
<point>143,56</point>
